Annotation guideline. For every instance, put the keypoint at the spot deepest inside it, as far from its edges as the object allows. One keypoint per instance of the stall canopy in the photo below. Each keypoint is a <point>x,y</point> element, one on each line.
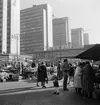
<point>92,53</point>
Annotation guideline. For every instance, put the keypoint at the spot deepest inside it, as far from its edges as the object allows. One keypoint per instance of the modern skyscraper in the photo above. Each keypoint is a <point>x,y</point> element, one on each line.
<point>86,39</point>
<point>36,28</point>
<point>77,38</point>
<point>10,26</point>
<point>61,32</point>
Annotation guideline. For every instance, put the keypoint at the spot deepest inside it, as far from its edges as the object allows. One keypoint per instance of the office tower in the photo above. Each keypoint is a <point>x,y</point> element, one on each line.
<point>36,28</point>
<point>10,26</point>
<point>77,38</point>
<point>86,39</point>
<point>61,33</point>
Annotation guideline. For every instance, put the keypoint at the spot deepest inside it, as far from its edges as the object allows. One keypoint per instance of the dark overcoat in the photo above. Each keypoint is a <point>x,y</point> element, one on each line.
<point>87,78</point>
<point>42,73</point>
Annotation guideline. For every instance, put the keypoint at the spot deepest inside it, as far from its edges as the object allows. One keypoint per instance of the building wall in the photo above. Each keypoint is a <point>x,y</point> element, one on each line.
<point>36,28</point>
<point>86,38</point>
<point>1,9</point>
<point>49,21</point>
<point>9,25</point>
<point>32,29</point>
<point>77,38</point>
<point>61,32</point>
<point>44,31</point>
<point>49,30</point>
<point>4,27</point>
<point>15,27</point>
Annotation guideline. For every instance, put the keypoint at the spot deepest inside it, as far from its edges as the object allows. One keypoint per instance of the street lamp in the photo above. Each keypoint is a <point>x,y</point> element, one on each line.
<point>60,46</point>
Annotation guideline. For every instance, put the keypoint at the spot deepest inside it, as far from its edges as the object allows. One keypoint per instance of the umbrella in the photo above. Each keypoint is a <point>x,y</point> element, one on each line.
<point>92,53</point>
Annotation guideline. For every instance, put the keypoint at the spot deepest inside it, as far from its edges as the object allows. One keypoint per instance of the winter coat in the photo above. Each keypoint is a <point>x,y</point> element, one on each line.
<point>87,78</point>
<point>65,68</point>
<point>42,73</point>
<point>77,77</point>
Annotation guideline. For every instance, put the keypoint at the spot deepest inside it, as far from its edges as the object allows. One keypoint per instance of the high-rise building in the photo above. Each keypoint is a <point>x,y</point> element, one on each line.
<point>36,28</point>
<point>86,39</point>
<point>77,38</point>
<point>61,33</point>
<point>10,26</point>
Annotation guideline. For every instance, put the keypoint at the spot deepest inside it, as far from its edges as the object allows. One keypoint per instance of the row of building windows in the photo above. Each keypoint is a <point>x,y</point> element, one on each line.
<point>39,20</point>
<point>30,11</point>
<point>31,39</point>
<point>33,31</point>
<point>31,15</point>
<point>32,49</point>
<point>32,24</point>
<point>31,44</point>
<point>29,27</point>
<point>31,19</point>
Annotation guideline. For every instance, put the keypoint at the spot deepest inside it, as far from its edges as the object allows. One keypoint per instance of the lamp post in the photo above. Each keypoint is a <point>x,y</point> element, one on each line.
<point>60,47</point>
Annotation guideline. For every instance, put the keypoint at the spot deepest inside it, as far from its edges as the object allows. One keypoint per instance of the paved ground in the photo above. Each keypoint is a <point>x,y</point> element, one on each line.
<point>46,97</point>
<point>22,85</point>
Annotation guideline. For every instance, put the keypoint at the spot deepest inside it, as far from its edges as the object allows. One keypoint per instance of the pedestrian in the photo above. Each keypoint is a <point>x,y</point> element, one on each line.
<point>38,73</point>
<point>56,85</point>
<point>59,71</point>
<point>87,79</point>
<point>70,73</point>
<point>65,69</point>
<point>33,64</point>
<point>78,78</point>
<point>42,74</point>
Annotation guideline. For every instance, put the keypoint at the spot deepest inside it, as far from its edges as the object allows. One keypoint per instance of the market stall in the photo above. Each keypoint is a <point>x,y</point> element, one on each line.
<point>93,54</point>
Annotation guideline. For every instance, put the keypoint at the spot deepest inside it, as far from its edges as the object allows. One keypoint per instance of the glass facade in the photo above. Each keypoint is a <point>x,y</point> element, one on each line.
<point>77,38</point>
<point>34,29</point>
<point>61,32</point>
<point>31,30</point>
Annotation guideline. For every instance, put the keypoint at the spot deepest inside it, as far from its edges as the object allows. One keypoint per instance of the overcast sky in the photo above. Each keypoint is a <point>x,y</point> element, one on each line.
<point>82,13</point>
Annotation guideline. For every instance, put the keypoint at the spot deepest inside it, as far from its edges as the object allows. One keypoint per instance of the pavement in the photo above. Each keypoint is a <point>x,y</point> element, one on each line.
<point>46,97</point>
<point>8,87</point>
<point>27,93</point>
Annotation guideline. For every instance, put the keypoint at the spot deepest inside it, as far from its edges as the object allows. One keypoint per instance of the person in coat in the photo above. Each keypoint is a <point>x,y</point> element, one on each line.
<point>77,78</point>
<point>42,74</point>
<point>65,69</point>
<point>87,79</point>
<point>59,71</point>
<point>70,74</point>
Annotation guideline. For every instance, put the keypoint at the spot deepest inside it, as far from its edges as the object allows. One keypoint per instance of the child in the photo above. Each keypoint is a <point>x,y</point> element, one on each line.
<point>56,85</point>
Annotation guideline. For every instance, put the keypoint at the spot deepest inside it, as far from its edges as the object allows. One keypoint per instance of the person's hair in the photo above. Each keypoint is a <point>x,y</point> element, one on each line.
<point>65,60</point>
<point>42,63</point>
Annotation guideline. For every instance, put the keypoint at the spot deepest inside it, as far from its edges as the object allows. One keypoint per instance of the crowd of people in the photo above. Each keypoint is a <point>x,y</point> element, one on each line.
<point>82,75</point>
<point>85,79</point>
<point>64,71</point>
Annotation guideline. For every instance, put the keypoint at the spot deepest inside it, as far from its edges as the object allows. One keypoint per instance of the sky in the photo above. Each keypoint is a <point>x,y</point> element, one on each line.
<point>82,13</point>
